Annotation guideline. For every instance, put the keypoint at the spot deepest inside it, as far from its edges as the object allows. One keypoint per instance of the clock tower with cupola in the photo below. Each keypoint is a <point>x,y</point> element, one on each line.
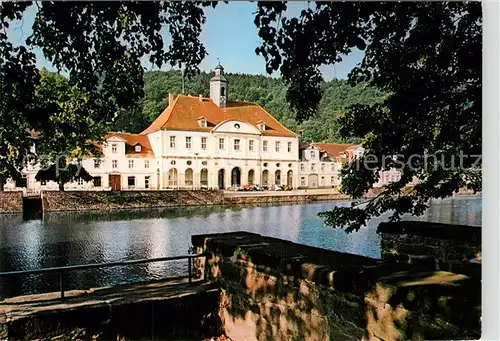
<point>219,87</point>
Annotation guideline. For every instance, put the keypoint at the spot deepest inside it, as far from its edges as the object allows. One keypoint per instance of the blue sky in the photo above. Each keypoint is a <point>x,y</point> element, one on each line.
<point>229,34</point>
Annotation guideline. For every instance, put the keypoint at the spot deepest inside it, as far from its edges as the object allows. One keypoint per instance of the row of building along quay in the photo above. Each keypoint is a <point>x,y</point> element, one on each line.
<point>211,143</point>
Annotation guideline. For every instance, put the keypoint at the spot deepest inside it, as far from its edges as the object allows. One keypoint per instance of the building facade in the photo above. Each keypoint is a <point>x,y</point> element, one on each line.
<point>199,142</point>
<point>211,143</point>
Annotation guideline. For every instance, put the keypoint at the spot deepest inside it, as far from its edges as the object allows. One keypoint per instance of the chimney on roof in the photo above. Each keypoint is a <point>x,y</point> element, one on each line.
<point>170,99</point>
<point>201,98</point>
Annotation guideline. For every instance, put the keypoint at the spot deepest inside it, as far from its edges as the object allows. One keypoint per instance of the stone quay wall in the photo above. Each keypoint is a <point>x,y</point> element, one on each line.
<point>278,290</point>
<point>11,202</point>
<point>56,201</point>
<point>292,198</point>
<point>447,247</point>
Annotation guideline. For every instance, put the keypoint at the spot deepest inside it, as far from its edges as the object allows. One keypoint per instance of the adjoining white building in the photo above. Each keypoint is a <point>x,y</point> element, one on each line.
<point>320,163</point>
<point>199,142</point>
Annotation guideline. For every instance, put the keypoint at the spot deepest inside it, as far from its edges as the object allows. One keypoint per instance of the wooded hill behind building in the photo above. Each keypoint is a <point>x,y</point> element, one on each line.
<point>268,92</point>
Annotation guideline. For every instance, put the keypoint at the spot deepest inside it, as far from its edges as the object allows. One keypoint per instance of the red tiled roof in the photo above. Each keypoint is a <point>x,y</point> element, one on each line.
<point>335,150</point>
<point>185,111</point>
<point>131,140</point>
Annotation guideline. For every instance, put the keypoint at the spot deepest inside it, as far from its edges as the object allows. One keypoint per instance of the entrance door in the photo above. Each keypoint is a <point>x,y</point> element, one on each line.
<point>115,182</point>
<point>236,177</point>
<point>221,178</point>
<point>313,181</point>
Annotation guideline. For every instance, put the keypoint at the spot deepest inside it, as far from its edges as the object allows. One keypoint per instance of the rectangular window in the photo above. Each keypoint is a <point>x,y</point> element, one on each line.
<point>80,181</point>
<point>333,167</point>
<point>97,163</point>
<point>332,180</point>
<point>114,148</point>
<point>236,144</point>
<point>322,167</point>
<point>221,144</point>
<point>289,147</point>
<point>97,181</point>
<point>114,163</point>
<point>130,164</point>
<point>146,181</point>
<point>146,163</point>
<point>322,181</point>
<point>302,181</point>
<point>188,142</point>
<point>203,123</point>
<point>313,167</point>
<point>264,146</point>
<point>250,145</point>
<point>131,181</point>
<point>277,146</point>
<point>203,143</point>
<point>302,167</point>
<point>172,141</point>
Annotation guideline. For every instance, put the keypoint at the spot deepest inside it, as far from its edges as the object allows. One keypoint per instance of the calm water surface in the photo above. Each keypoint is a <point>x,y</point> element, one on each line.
<point>80,238</point>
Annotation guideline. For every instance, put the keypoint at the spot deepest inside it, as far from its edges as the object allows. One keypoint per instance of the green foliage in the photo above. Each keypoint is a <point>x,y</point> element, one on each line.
<point>18,76</point>
<point>426,56</point>
<point>100,46</point>
<point>62,172</point>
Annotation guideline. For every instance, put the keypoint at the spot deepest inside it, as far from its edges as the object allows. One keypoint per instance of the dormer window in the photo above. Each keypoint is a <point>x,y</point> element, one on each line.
<point>261,125</point>
<point>138,148</point>
<point>202,122</point>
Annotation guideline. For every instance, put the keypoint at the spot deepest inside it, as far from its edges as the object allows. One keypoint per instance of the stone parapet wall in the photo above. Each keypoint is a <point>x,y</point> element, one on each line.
<point>448,247</point>
<point>159,310</point>
<point>104,201</point>
<point>11,202</point>
<point>286,291</point>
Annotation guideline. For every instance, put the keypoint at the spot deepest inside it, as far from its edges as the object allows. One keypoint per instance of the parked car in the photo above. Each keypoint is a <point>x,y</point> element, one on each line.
<point>257,188</point>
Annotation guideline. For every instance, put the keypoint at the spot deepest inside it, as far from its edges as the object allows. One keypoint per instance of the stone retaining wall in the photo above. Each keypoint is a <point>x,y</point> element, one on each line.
<point>278,290</point>
<point>297,198</point>
<point>11,202</point>
<point>448,247</point>
<point>55,201</point>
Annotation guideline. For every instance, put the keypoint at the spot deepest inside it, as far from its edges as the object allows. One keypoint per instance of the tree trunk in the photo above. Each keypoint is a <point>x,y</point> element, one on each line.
<point>61,185</point>
<point>2,182</point>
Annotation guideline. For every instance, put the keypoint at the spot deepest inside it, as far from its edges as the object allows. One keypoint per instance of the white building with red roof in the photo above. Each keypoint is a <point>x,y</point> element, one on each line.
<point>199,142</point>
<point>214,142</point>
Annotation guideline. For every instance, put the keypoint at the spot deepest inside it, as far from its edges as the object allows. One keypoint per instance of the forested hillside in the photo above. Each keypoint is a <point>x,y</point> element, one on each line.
<point>266,91</point>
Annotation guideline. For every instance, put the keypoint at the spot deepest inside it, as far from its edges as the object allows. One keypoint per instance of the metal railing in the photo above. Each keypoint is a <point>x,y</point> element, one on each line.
<point>61,270</point>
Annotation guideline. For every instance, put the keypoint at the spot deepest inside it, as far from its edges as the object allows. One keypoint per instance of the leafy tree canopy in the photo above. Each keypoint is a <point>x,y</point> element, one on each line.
<point>99,45</point>
<point>426,56</point>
